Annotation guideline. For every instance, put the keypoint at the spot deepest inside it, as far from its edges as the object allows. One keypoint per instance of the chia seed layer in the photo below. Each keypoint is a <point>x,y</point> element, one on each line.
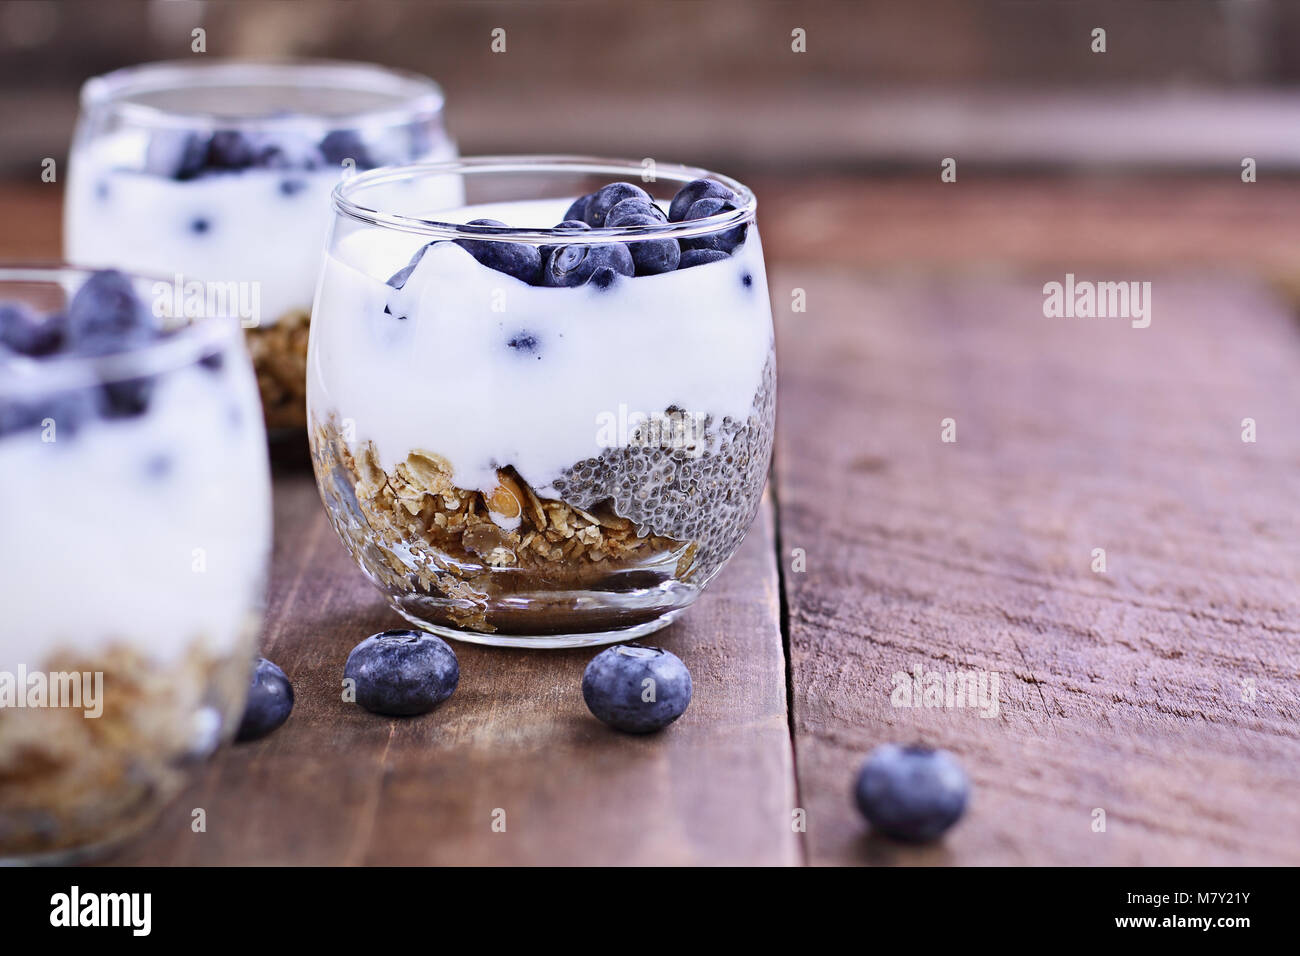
<point>709,496</point>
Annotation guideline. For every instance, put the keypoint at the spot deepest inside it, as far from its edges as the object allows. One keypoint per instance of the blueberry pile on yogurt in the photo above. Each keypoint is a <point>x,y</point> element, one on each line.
<point>500,427</point>
<point>574,262</point>
<point>135,507</point>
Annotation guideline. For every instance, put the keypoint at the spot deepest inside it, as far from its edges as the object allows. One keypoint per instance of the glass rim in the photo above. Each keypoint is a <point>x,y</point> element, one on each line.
<point>415,95</point>
<point>345,203</point>
<point>185,346</point>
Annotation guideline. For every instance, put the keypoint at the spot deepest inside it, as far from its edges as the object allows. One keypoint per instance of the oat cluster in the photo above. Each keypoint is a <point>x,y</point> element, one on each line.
<point>67,780</point>
<point>279,354</point>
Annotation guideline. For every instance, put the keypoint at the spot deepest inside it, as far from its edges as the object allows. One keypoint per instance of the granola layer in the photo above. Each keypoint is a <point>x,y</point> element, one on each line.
<point>279,354</point>
<point>69,781</point>
<point>639,516</point>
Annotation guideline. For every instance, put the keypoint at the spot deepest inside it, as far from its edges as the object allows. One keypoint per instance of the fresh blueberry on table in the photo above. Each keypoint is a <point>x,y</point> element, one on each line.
<point>723,240</point>
<point>23,332</point>
<point>699,257</point>
<point>575,264</point>
<point>401,672</point>
<point>270,700</point>
<point>200,225</point>
<point>291,187</point>
<point>606,198</point>
<point>517,259</point>
<point>911,793</point>
<point>693,192</point>
<point>636,689</point>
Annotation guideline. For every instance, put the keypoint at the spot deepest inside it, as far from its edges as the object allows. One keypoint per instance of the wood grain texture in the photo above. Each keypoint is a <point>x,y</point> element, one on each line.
<point>338,785</point>
<point>1122,691</point>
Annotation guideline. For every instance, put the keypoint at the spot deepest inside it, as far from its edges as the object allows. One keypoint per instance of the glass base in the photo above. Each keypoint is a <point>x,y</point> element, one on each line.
<point>544,641</point>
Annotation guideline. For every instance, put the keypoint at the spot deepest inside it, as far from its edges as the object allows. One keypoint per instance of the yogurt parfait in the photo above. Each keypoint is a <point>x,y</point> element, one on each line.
<point>542,415</point>
<point>135,508</point>
<point>223,170</point>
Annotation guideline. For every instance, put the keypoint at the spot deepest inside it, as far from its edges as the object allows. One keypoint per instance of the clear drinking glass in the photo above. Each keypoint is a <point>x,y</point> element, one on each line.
<point>135,508</point>
<point>223,170</point>
<point>526,464</point>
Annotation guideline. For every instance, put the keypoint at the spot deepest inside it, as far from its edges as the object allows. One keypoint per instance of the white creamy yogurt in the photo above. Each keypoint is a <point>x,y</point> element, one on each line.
<point>445,379</point>
<point>151,531</point>
<point>262,226</point>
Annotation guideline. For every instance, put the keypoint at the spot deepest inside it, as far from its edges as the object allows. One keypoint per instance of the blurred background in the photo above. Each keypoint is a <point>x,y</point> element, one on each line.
<point>1069,154</point>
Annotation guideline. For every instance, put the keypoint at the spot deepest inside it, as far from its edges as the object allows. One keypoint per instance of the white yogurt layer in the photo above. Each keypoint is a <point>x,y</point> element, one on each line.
<point>150,531</point>
<point>445,378</point>
<point>260,226</point>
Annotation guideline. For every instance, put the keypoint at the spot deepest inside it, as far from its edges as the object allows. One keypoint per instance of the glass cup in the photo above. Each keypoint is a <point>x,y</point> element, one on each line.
<point>135,508</point>
<point>539,436</point>
<point>223,170</point>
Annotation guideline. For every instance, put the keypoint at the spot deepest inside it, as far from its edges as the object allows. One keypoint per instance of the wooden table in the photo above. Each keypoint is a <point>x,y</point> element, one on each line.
<point>1164,691</point>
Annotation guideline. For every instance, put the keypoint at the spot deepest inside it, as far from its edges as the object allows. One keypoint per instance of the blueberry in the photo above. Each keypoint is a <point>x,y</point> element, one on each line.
<point>176,154</point>
<point>630,212</point>
<point>747,280</point>
<point>270,699</point>
<point>23,332</point>
<point>158,466</point>
<point>636,689</point>
<point>402,672</point>
<point>724,240</point>
<point>578,209</point>
<point>606,198</point>
<point>575,264</point>
<point>693,192</point>
<point>523,342</point>
<point>699,257</point>
<point>66,410</point>
<point>126,399</point>
<point>650,256</point>
<point>291,187</point>
<point>200,225</point>
<point>603,278</point>
<point>911,793</point>
<point>517,259</point>
<point>568,225</point>
<point>341,144</point>
<point>106,316</point>
<point>231,149</point>
<point>287,151</point>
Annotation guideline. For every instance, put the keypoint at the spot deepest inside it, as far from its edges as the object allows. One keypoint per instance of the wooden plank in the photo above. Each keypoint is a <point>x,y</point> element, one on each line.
<point>337,785</point>
<point>1124,691</point>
